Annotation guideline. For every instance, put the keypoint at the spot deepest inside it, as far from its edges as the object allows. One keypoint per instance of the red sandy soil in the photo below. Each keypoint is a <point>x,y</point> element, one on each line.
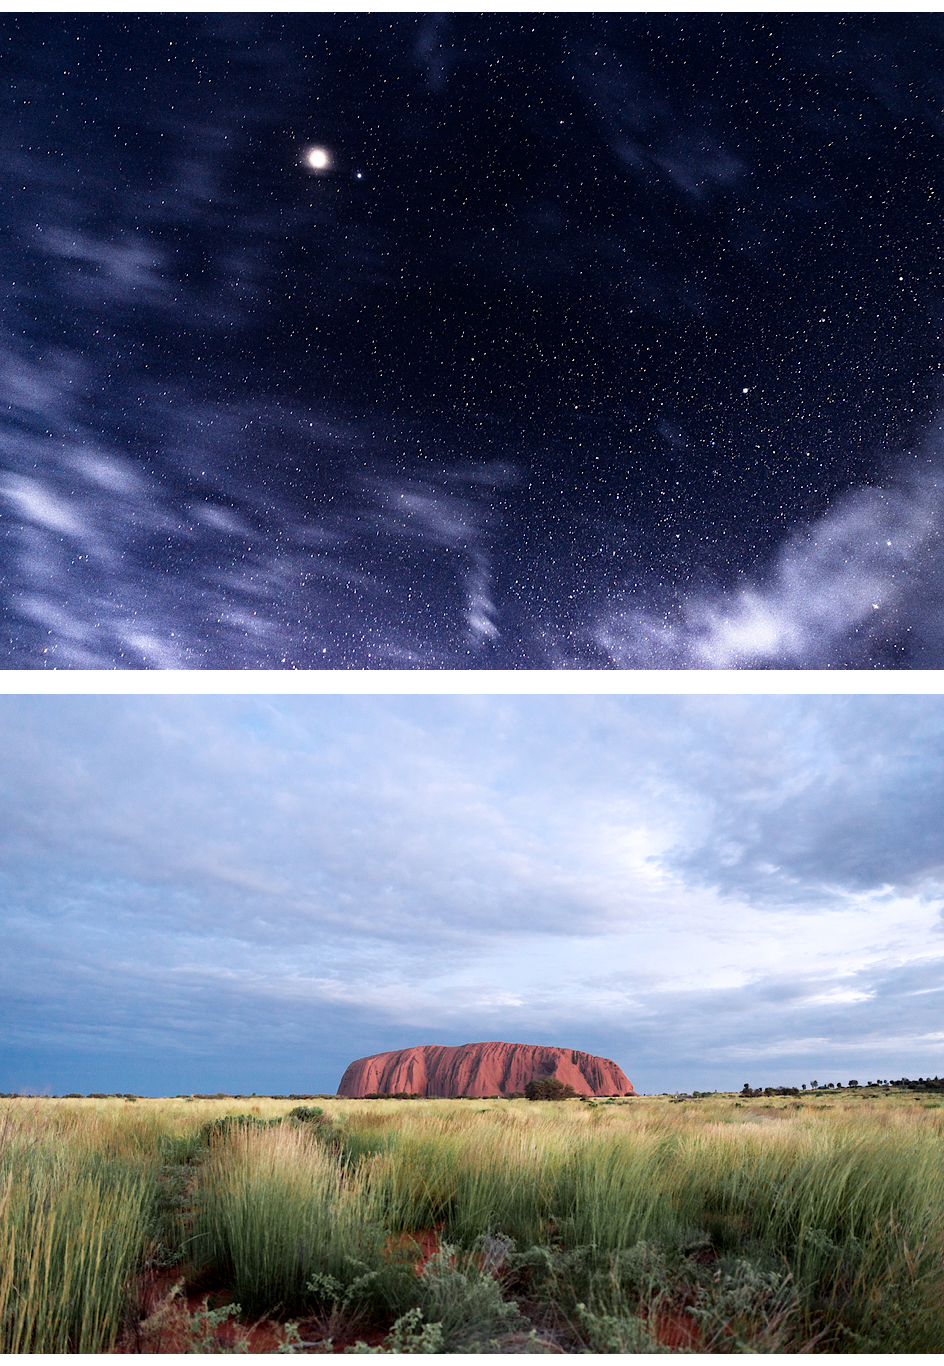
<point>676,1329</point>
<point>166,1308</point>
<point>165,1313</point>
<point>165,1327</point>
<point>423,1244</point>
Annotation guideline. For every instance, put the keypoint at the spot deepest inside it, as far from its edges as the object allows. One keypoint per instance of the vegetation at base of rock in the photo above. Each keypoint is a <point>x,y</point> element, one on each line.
<point>548,1088</point>
<point>730,1224</point>
<point>389,1095</point>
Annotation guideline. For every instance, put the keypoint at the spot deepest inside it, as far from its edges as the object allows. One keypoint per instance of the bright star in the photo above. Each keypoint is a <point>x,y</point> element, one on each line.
<point>318,158</point>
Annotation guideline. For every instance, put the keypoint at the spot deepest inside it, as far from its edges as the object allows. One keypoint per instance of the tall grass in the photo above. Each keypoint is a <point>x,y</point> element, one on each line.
<point>274,1209</point>
<point>850,1205</point>
<point>71,1227</point>
<point>808,1227</point>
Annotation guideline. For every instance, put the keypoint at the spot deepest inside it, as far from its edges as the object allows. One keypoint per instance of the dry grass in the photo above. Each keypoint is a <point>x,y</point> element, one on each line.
<point>777,1225</point>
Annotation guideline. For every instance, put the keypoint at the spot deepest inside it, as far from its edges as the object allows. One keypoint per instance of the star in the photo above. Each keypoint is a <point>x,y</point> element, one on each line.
<point>318,159</point>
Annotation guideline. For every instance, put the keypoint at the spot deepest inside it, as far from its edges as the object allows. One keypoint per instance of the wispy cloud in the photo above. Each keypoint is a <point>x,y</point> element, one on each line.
<point>676,882</point>
<point>648,135</point>
<point>849,590</point>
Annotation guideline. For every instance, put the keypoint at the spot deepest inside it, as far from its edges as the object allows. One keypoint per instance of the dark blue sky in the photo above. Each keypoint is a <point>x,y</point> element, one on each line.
<point>245,893</point>
<point>601,341</point>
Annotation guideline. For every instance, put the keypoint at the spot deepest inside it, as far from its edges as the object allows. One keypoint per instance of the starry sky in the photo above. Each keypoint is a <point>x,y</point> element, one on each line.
<point>220,893</point>
<point>588,341</point>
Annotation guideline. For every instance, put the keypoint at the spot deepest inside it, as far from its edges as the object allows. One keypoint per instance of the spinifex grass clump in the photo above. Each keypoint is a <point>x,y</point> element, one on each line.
<point>277,1211</point>
<point>458,1169</point>
<point>507,1183</point>
<point>856,1213</point>
<point>618,1189</point>
<point>824,1229</point>
<point>71,1231</point>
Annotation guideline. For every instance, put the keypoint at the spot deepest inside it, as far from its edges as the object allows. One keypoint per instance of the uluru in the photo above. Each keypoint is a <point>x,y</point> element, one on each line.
<point>480,1069</point>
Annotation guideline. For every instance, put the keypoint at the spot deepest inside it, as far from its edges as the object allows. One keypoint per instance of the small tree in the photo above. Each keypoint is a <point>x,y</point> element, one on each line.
<point>548,1088</point>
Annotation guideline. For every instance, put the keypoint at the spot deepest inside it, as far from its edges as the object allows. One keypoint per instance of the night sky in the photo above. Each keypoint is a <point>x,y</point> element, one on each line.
<point>596,341</point>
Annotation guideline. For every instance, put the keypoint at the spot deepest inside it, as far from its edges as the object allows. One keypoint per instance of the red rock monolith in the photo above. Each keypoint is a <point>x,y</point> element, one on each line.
<point>480,1069</point>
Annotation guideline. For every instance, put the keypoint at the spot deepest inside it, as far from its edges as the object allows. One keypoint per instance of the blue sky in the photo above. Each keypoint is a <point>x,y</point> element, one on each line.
<point>245,893</point>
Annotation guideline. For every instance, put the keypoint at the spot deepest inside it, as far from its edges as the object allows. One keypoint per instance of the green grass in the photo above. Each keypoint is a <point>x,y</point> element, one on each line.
<point>71,1227</point>
<point>275,1209</point>
<point>761,1226</point>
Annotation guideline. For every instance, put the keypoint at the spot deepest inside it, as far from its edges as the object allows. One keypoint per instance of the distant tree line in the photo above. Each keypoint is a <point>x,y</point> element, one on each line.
<point>902,1083</point>
<point>769,1090</point>
<point>70,1095</point>
<point>540,1088</point>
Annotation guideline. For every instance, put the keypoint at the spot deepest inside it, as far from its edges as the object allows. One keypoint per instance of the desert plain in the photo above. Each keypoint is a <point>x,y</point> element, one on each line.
<point>714,1224</point>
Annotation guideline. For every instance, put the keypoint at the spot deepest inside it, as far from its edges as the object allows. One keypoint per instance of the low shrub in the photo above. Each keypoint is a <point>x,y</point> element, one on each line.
<point>548,1088</point>
<point>408,1335</point>
<point>466,1300</point>
<point>306,1114</point>
<point>229,1124</point>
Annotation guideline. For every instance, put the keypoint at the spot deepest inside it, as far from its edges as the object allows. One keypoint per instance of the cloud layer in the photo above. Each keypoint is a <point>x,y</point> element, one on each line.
<point>859,586</point>
<point>244,893</point>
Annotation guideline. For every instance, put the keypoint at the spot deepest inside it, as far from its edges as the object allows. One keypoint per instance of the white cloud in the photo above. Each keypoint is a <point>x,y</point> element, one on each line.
<point>864,575</point>
<point>35,502</point>
<point>125,269</point>
<point>477,867</point>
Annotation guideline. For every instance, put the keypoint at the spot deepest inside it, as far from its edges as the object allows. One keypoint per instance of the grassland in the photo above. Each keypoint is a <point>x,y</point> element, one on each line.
<point>713,1225</point>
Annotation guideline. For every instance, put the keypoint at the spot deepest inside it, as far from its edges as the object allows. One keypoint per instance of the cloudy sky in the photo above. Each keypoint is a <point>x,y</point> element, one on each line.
<point>245,893</point>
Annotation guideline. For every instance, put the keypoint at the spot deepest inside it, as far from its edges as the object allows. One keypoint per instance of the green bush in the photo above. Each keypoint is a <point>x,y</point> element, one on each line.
<point>548,1088</point>
<point>617,1332</point>
<point>306,1114</point>
<point>229,1124</point>
<point>408,1335</point>
<point>466,1301</point>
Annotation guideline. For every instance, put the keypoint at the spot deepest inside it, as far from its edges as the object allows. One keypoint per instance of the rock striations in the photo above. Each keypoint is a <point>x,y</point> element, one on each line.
<point>480,1069</point>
